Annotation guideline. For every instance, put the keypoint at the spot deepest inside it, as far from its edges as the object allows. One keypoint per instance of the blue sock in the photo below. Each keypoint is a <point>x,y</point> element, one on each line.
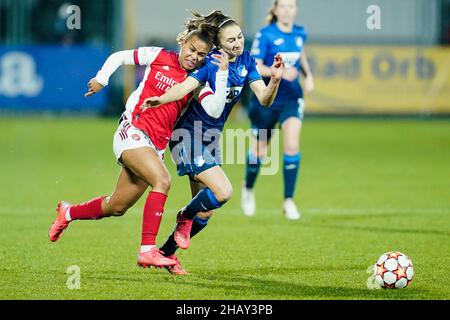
<point>252,170</point>
<point>170,247</point>
<point>198,225</point>
<point>291,167</point>
<point>205,200</point>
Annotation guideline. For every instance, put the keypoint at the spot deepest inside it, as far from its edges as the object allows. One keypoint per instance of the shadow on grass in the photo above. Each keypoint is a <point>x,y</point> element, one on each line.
<point>231,284</point>
<point>257,287</point>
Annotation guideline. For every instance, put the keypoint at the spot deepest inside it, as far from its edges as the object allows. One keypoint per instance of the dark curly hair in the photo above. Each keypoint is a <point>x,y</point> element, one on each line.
<point>203,31</point>
<point>214,21</point>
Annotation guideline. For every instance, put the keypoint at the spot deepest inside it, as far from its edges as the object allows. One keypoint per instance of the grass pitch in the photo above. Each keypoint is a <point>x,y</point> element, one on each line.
<point>366,187</point>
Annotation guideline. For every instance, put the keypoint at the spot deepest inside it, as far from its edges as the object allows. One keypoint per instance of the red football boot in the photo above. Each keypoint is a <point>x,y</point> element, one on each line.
<point>60,224</point>
<point>154,258</point>
<point>182,234</point>
<point>176,269</point>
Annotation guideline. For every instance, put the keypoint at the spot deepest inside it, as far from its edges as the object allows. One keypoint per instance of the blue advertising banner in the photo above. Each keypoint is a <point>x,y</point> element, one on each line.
<point>50,78</point>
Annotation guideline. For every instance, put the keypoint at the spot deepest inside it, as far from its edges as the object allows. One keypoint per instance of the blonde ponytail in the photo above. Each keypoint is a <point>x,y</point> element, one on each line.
<point>271,17</point>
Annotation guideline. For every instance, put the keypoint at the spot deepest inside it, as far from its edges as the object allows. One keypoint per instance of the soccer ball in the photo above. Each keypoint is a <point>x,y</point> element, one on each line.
<point>393,270</point>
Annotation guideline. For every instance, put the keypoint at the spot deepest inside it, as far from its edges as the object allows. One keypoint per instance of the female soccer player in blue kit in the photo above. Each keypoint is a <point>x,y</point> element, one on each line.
<point>222,81</point>
<point>282,37</point>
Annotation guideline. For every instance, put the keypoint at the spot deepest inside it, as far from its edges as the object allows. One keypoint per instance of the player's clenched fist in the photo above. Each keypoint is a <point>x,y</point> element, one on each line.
<point>150,103</point>
<point>221,60</point>
<point>277,68</point>
<point>94,87</point>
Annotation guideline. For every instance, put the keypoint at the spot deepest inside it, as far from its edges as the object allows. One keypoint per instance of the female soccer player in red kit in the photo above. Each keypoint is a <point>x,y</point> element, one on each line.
<point>141,139</point>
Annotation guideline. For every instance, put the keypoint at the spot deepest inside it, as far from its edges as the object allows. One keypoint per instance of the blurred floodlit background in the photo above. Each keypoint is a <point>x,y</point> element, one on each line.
<point>47,55</point>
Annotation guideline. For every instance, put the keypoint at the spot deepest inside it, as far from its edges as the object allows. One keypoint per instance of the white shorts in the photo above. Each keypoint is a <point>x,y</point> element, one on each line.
<point>128,137</point>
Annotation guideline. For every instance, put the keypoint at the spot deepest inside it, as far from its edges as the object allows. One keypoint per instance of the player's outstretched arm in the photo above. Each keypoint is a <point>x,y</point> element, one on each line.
<point>214,103</point>
<point>93,87</point>
<point>175,93</point>
<point>289,74</point>
<point>113,62</point>
<point>266,94</point>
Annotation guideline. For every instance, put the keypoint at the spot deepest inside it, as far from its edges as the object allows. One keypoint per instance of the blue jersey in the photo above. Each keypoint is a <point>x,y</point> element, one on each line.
<point>240,72</point>
<point>271,40</point>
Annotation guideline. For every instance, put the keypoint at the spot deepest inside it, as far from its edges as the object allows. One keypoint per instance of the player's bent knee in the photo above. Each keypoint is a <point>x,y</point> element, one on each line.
<point>225,194</point>
<point>118,210</point>
<point>291,151</point>
<point>163,183</point>
<point>291,147</point>
<point>205,215</point>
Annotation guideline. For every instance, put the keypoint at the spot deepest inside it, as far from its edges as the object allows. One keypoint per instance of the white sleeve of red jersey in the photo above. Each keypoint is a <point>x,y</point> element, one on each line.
<point>112,63</point>
<point>145,56</point>
<point>214,102</point>
<point>142,56</point>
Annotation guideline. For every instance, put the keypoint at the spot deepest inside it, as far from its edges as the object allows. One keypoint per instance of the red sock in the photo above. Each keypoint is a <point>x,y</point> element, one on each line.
<point>153,212</point>
<point>91,210</point>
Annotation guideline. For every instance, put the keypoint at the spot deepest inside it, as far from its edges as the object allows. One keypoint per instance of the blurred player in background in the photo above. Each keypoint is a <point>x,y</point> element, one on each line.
<point>282,37</point>
<point>221,82</point>
<point>141,139</point>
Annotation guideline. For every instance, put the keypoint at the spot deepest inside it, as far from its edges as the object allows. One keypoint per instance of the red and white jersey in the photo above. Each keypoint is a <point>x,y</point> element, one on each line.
<point>163,71</point>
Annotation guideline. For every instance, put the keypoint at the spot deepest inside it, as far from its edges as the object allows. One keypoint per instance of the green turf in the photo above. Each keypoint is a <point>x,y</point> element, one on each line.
<point>366,187</point>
